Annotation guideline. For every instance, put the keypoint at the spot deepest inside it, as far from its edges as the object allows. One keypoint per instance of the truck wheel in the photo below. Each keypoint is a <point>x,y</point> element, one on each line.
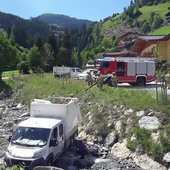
<point>141,81</point>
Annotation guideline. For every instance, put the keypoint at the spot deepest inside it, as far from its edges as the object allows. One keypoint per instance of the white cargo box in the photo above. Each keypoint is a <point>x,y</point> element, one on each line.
<point>68,112</point>
<point>59,71</point>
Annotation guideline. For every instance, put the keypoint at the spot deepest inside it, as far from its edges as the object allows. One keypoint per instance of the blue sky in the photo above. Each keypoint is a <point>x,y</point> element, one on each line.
<point>94,10</point>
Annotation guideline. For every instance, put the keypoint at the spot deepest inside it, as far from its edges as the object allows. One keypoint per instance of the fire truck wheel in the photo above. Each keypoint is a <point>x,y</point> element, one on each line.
<point>141,81</point>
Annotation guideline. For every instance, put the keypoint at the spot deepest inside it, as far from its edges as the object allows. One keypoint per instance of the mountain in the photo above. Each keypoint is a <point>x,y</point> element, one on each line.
<point>24,32</point>
<point>63,21</point>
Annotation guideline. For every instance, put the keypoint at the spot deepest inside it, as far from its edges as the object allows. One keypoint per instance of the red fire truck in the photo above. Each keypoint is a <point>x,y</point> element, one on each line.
<point>132,70</point>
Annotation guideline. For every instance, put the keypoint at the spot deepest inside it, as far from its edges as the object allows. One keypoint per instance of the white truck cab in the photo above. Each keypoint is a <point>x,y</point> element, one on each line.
<point>42,138</point>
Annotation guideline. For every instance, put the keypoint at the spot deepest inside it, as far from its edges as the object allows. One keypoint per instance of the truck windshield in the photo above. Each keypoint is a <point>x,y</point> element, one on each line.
<point>28,136</point>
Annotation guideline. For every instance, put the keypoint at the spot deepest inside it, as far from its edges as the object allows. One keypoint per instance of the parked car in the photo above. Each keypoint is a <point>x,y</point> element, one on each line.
<point>83,75</point>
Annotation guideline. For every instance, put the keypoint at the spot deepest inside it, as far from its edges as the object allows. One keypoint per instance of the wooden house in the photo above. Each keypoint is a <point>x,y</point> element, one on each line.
<point>151,46</point>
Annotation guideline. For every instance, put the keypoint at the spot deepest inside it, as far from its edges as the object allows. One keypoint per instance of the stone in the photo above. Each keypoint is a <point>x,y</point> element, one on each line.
<point>155,137</point>
<point>111,139</point>
<point>140,113</point>
<point>82,135</point>
<point>146,163</point>
<point>133,138</point>
<point>118,126</point>
<point>120,150</point>
<point>25,114</point>
<point>129,111</point>
<point>19,106</point>
<point>166,157</point>
<point>149,123</point>
<point>129,124</point>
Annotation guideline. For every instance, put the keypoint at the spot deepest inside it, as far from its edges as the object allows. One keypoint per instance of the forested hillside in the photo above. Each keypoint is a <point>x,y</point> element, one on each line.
<point>21,31</point>
<point>43,42</point>
<point>63,21</point>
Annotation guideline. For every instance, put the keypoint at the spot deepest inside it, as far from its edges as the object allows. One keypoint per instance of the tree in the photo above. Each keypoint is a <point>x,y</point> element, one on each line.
<point>67,45</point>
<point>48,57</point>
<point>8,54</point>
<point>34,59</point>
<point>52,41</point>
<point>157,22</point>
<point>23,65</point>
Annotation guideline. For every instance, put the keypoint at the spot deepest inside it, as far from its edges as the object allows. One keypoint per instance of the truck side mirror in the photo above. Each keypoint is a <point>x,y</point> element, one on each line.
<point>53,142</point>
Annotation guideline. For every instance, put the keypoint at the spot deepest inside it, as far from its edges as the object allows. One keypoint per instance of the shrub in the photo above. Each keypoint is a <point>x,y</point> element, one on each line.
<point>143,139</point>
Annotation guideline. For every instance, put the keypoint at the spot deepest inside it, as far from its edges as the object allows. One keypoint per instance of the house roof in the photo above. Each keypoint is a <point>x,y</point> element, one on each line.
<point>143,42</point>
<point>151,37</point>
<point>121,53</point>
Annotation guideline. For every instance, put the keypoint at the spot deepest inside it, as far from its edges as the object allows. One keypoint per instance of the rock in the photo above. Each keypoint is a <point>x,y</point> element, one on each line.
<point>25,114</point>
<point>1,161</point>
<point>146,163</point>
<point>166,157</point>
<point>120,150</point>
<point>19,106</point>
<point>140,113</point>
<point>133,138</point>
<point>118,126</point>
<point>82,135</point>
<point>127,112</point>
<point>151,113</point>
<point>155,137</point>
<point>149,123</point>
<point>129,124</point>
<point>99,160</point>
<point>111,139</point>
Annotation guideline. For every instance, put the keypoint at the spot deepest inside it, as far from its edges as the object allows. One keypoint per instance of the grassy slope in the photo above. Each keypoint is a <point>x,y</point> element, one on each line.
<point>162,9</point>
<point>162,31</point>
<point>111,23</point>
<point>41,87</point>
<point>10,73</point>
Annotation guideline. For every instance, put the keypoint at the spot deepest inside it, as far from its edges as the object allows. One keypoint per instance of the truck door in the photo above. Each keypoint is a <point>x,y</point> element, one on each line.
<point>120,72</point>
<point>104,69</point>
<point>75,72</point>
<point>56,143</point>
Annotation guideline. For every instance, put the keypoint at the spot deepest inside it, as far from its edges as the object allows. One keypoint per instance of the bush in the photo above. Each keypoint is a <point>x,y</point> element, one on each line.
<point>100,124</point>
<point>143,139</point>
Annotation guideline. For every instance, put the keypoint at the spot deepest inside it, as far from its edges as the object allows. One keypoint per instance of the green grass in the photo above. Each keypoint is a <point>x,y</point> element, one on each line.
<point>111,23</point>
<point>10,73</point>
<point>162,9</point>
<point>162,31</point>
<point>34,86</point>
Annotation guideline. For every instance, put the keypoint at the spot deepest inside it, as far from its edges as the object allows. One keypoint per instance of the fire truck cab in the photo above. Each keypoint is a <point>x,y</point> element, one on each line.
<point>132,70</point>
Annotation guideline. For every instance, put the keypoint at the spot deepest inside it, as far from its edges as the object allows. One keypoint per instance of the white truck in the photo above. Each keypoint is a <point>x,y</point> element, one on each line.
<point>50,129</point>
<point>66,71</point>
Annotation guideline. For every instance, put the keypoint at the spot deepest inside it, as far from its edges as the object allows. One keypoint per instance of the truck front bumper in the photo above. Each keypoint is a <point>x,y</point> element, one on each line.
<point>28,164</point>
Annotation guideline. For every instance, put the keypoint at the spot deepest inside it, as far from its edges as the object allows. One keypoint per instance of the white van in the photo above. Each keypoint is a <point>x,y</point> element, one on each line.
<point>42,138</point>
